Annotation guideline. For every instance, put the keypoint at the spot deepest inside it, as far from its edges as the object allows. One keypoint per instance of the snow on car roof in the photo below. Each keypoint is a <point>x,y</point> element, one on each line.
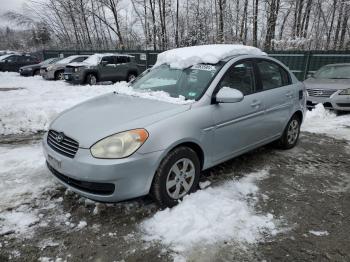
<point>204,54</point>
<point>95,59</point>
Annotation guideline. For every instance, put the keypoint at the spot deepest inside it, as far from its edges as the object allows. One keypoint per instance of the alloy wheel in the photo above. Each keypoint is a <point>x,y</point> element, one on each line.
<point>180,178</point>
<point>293,131</point>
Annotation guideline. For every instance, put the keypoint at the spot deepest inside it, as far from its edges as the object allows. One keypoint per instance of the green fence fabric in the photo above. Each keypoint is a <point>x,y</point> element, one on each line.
<point>301,63</point>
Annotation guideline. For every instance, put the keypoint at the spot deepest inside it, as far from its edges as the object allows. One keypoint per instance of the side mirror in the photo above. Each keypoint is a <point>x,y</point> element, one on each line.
<point>229,95</point>
<point>104,63</point>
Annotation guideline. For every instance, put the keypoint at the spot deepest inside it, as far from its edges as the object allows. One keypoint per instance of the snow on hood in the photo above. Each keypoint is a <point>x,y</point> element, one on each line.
<point>125,89</point>
<point>181,58</point>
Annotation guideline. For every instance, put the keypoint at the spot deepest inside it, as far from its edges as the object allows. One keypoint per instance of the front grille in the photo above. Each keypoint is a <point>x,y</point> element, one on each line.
<point>69,69</point>
<point>62,144</point>
<point>343,104</point>
<point>89,187</point>
<point>321,92</point>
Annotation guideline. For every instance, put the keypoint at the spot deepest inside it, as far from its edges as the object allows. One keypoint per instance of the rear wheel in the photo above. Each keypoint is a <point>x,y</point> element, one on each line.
<point>59,75</point>
<point>176,177</point>
<point>291,133</point>
<point>91,79</point>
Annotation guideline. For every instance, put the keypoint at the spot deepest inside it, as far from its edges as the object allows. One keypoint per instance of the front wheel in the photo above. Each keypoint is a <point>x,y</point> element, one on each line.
<point>91,79</point>
<point>59,75</point>
<point>176,177</point>
<point>291,133</point>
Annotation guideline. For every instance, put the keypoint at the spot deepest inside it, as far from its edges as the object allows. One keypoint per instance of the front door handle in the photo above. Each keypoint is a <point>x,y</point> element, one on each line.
<point>255,103</point>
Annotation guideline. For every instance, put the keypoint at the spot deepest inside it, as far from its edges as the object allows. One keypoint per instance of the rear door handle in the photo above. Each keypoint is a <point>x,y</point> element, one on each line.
<point>255,103</point>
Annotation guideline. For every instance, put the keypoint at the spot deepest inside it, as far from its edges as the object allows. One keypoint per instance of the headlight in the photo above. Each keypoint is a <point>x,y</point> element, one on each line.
<point>345,92</point>
<point>119,145</point>
<point>49,68</point>
<point>77,69</point>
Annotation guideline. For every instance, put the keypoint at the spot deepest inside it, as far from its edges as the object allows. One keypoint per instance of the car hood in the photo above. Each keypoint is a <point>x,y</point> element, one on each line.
<point>336,84</point>
<point>112,113</point>
<point>30,66</point>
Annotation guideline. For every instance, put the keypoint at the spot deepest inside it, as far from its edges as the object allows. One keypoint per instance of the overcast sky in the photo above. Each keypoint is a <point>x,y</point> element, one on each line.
<point>13,5</point>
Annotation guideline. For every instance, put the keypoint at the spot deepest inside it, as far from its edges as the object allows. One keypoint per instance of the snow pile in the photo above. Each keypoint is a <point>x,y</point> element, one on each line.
<point>319,233</point>
<point>205,54</point>
<point>216,214</point>
<point>16,222</point>
<point>323,121</point>
<point>32,108</point>
<point>23,174</point>
<point>155,95</point>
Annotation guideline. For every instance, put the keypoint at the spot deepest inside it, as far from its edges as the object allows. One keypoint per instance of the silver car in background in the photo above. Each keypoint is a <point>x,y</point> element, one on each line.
<point>330,85</point>
<point>56,70</point>
<point>116,147</point>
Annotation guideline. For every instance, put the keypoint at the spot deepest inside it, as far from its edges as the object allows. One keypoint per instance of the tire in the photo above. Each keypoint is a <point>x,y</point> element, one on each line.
<point>131,77</point>
<point>169,187</point>
<point>59,75</point>
<point>91,79</point>
<point>291,133</point>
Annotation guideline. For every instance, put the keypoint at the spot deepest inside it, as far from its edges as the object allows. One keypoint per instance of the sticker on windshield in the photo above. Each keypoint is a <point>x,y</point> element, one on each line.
<point>204,67</point>
<point>192,94</point>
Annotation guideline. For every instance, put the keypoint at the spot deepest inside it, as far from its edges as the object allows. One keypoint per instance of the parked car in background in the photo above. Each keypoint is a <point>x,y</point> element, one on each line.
<point>33,70</point>
<point>120,145</point>
<point>102,67</point>
<point>330,85</point>
<point>55,71</point>
<point>13,62</point>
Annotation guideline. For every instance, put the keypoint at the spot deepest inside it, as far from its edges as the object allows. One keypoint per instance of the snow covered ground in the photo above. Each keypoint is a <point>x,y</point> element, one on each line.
<point>219,213</point>
<point>214,215</point>
<point>326,122</point>
<point>32,107</point>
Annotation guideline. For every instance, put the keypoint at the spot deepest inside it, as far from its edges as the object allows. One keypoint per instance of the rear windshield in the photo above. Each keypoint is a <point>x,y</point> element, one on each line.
<point>333,72</point>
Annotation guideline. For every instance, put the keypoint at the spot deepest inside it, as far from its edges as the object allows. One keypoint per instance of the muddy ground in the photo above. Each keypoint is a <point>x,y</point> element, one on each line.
<point>308,189</point>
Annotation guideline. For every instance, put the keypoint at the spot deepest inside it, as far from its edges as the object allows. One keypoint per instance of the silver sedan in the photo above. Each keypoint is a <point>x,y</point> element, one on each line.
<point>116,147</point>
<point>330,85</point>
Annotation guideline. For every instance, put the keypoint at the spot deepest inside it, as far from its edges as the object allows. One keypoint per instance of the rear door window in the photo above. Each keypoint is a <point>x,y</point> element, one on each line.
<point>110,60</point>
<point>272,75</point>
<point>122,59</point>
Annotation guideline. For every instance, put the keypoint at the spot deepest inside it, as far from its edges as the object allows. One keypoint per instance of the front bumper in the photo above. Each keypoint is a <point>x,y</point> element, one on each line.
<point>132,176</point>
<point>335,102</point>
<point>23,72</point>
<point>74,78</point>
<point>48,75</point>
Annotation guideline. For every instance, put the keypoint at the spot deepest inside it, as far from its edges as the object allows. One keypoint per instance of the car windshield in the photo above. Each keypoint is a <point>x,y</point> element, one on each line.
<point>333,72</point>
<point>190,83</point>
<point>3,57</point>
<point>48,61</point>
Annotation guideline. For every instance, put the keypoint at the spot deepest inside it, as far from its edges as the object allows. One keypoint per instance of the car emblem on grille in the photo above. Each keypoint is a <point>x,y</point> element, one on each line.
<point>60,137</point>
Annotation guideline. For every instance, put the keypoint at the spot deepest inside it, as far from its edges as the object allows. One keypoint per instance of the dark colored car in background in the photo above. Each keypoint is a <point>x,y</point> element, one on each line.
<point>33,70</point>
<point>102,67</point>
<point>13,62</point>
